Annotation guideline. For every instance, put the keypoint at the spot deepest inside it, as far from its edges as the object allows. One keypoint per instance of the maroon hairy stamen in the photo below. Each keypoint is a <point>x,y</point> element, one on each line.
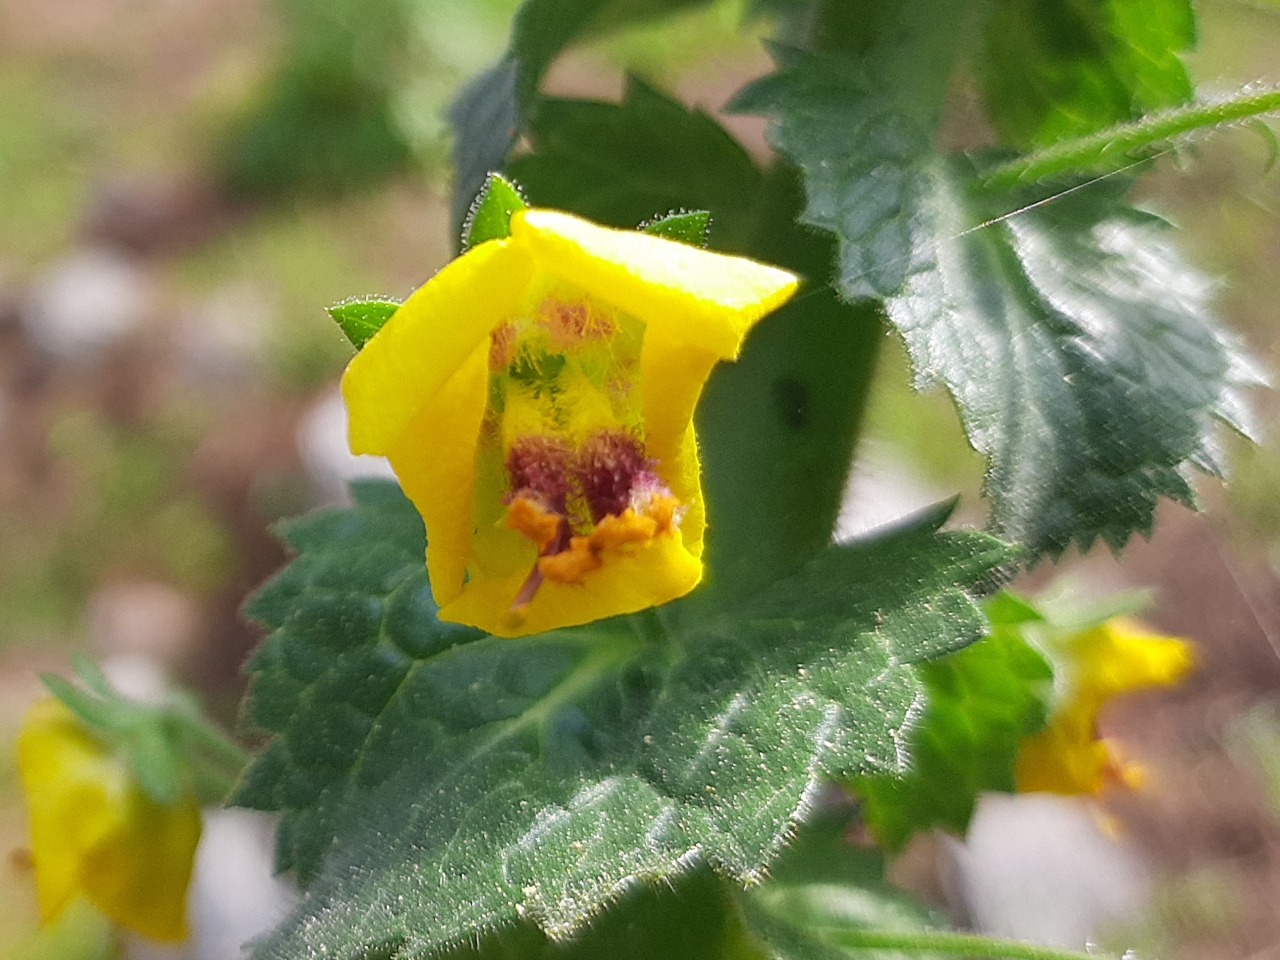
<point>540,466</point>
<point>606,470</point>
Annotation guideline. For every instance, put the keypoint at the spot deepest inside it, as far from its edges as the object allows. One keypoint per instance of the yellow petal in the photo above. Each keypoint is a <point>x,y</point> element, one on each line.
<point>435,461</point>
<point>96,834</point>
<point>701,298</point>
<point>418,392</point>
<point>414,355</point>
<point>656,573</point>
<point>1121,656</point>
<point>672,375</point>
<point>1117,657</point>
<point>138,875</point>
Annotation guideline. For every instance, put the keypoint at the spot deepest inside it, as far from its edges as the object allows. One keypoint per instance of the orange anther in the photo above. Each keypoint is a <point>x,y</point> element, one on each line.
<point>533,520</point>
<point>572,565</point>
<point>612,532</point>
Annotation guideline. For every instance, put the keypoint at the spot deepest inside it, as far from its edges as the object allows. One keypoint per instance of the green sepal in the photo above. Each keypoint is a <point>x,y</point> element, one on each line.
<point>106,716</point>
<point>361,317</point>
<point>689,226</point>
<point>171,749</point>
<point>490,215</point>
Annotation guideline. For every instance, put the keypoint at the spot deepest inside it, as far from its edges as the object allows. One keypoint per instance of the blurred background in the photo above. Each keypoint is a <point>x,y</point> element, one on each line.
<point>185,184</point>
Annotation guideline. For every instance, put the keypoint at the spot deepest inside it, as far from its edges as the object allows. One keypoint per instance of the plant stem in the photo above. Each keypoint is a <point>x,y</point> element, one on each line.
<point>961,944</point>
<point>1117,145</point>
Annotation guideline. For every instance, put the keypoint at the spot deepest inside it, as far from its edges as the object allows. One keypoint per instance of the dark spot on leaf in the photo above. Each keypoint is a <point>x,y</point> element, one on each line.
<point>792,399</point>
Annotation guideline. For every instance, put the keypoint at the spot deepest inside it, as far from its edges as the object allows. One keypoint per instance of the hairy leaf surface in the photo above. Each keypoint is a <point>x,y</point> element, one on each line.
<point>981,702</point>
<point>436,782</point>
<point>624,163</point>
<point>1082,351</point>
<point>489,113</point>
<point>1078,344</point>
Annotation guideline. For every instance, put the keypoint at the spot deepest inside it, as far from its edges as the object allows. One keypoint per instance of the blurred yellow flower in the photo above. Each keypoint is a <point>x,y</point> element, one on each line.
<point>535,398</point>
<point>96,834</point>
<point>1117,657</point>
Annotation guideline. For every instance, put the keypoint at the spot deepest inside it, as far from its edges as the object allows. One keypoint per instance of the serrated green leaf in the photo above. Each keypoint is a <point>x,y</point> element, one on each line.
<point>486,120</point>
<point>361,317</point>
<point>777,432</point>
<point>618,163</point>
<point>490,214</point>
<point>490,112</point>
<point>1056,70</point>
<point>436,783</point>
<point>1077,343</point>
<point>823,894</point>
<point>861,158</point>
<point>981,703</point>
<point>692,227</point>
<point>1082,351</point>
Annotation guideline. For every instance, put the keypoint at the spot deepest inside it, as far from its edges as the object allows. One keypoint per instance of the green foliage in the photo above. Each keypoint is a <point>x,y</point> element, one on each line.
<point>777,431</point>
<point>170,748</point>
<point>692,227</point>
<point>491,112</point>
<point>1076,341</point>
<point>693,918</point>
<point>320,128</point>
<point>981,703</point>
<point>324,122</point>
<point>1051,71</point>
<point>1121,146</point>
<point>490,215</point>
<point>563,768</point>
<point>621,163</point>
<point>824,895</point>
<point>1080,348</point>
<point>612,789</point>
<point>862,159</point>
<point>361,317</point>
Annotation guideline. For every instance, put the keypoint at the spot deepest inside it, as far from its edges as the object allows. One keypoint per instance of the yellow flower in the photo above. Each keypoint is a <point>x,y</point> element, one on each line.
<point>96,834</point>
<point>535,399</point>
<point>1117,657</point>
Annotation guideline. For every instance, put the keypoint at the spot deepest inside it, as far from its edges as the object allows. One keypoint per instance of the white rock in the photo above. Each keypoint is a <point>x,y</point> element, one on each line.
<point>234,895</point>
<point>1042,868</point>
<point>86,302</point>
<point>329,463</point>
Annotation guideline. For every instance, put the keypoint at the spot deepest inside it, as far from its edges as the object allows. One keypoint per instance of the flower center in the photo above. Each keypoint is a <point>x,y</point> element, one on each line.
<point>564,416</point>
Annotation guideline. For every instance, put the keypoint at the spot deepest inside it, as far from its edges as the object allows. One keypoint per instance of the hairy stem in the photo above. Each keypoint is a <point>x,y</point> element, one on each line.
<point>959,944</point>
<point>1122,144</point>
